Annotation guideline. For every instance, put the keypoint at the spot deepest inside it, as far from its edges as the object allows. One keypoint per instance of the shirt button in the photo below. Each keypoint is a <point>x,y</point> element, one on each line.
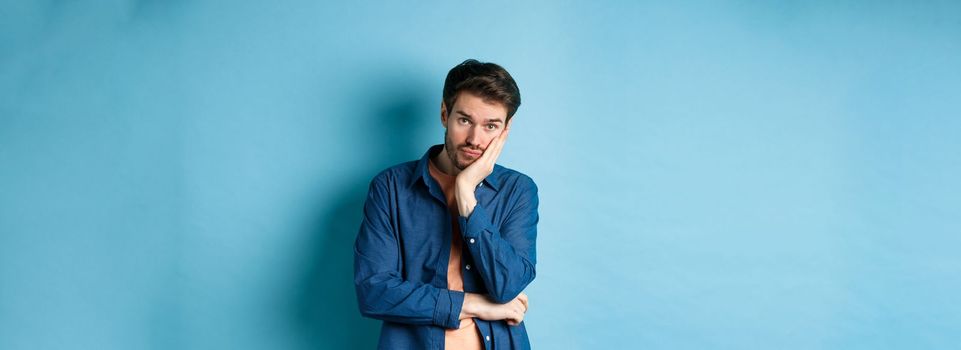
<point>472,241</point>
<point>468,267</point>
<point>488,338</point>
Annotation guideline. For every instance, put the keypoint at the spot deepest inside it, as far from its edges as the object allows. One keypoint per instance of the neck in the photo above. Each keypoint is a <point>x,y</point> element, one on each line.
<point>442,160</point>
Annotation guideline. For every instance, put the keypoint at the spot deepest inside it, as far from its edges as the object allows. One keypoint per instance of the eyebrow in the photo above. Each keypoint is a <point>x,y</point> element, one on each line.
<point>498,120</point>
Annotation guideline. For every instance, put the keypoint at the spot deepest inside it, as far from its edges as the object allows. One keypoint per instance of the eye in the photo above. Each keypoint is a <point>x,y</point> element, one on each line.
<point>491,126</point>
<point>464,121</point>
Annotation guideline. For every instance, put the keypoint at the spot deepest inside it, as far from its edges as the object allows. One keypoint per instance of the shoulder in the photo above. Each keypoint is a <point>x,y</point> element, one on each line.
<point>514,180</point>
<point>395,175</point>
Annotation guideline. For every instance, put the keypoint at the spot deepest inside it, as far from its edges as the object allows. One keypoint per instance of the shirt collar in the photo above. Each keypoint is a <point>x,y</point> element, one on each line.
<point>422,172</point>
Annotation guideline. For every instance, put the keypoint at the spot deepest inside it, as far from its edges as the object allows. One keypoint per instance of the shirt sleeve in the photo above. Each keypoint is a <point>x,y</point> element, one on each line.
<point>505,255</point>
<point>382,293</point>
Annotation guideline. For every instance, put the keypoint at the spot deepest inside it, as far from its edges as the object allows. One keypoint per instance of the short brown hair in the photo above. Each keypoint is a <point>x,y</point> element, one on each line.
<point>488,80</point>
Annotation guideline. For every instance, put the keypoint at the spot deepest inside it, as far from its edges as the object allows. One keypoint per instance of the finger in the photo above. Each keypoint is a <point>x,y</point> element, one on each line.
<point>517,317</point>
<point>488,158</point>
<point>522,299</point>
<point>491,153</point>
<point>499,140</point>
<point>496,146</point>
<point>505,134</point>
<point>491,149</point>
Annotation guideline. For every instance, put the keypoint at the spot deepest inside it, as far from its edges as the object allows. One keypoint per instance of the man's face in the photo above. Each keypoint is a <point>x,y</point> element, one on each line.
<point>471,125</point>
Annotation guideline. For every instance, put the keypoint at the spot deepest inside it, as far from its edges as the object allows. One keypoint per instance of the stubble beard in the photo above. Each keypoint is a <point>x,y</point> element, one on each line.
<point>452,153</point>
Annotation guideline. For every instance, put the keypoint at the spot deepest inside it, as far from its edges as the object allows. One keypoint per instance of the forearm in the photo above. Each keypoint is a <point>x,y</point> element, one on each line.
<point>471,303</point>
<point>466,201</point>
<point>505,273</point>
<point>503,255</point>
<point>480,306</point>
<point>382,292</point>
<point>387,297</point>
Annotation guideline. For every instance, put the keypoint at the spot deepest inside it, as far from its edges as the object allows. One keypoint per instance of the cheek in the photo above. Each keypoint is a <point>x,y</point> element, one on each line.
<point>487,138</point>
<point>455,135</point>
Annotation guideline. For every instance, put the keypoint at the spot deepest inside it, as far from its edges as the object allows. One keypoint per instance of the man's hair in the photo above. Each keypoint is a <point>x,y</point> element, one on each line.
<point>489,81</point>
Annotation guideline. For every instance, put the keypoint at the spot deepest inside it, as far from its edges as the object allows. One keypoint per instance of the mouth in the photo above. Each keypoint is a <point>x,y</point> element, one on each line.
<point>471,153</point>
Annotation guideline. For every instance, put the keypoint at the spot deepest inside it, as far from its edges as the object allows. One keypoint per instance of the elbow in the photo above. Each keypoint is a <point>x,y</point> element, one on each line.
<point>365,303</point>
<point>368,312</point>
<point>365,308</point>
<point>506,295</point>
<point>510,292</point>
<point>371,309</point>
<point>372,299</point>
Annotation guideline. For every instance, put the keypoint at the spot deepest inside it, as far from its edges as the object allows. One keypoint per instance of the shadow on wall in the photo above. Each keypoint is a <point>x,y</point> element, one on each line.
<point>325,313</point>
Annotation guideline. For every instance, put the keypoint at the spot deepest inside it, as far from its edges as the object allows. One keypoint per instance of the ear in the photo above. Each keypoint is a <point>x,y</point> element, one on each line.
<point>443,114</point>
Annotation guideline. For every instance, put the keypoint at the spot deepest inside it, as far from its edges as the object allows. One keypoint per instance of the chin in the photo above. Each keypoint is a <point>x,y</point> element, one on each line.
<point>464,165</point>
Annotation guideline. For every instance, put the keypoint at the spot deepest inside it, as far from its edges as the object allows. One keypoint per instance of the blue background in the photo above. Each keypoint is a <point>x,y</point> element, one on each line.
<point>717,175</point>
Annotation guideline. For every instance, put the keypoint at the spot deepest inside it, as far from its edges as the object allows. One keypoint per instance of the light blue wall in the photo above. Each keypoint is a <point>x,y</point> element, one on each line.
<point>190,174</point>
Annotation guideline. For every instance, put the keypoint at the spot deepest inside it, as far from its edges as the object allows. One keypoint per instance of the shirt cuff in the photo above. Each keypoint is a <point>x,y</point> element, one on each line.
<point>447,310</point>
<point>475,224</point>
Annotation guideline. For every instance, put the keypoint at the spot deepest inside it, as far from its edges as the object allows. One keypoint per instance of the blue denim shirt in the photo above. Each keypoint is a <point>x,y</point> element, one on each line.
<point>403,247</point>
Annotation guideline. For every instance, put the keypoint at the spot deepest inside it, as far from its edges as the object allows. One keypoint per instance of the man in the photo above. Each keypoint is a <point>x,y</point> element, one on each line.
<point>446,246</point>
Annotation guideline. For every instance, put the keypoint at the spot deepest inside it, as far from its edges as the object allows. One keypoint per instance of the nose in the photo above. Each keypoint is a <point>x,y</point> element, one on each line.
<point>472,135</point>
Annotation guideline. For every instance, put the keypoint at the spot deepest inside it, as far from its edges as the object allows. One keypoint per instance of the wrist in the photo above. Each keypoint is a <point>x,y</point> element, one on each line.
<point>461,184</point>
<point>469,308</point>
<point>466,201</point>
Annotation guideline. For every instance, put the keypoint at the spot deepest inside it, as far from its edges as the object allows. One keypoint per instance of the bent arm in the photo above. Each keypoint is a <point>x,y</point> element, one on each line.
<point>480,306</point>
<point>504,256</point>
<point>382,293</point>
